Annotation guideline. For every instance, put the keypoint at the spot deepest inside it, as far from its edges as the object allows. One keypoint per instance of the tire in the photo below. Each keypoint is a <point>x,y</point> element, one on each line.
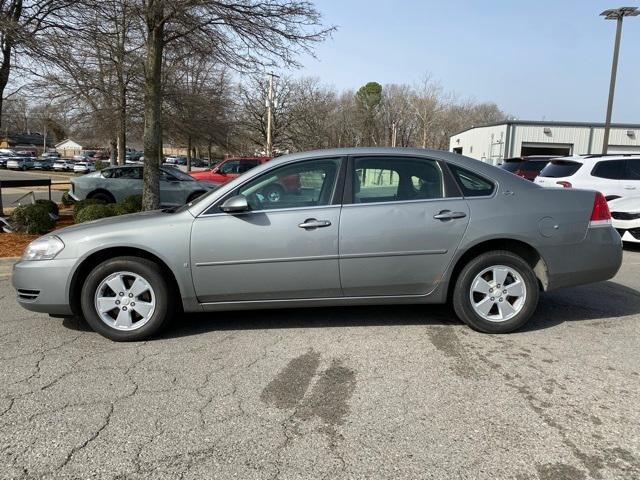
<point>104,196</point>
<point>153,301</point>
<point>476,291</point>
<point>273,193</point>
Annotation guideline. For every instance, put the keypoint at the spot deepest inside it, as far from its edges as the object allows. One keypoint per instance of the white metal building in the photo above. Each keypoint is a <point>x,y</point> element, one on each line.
<point>513,138</point>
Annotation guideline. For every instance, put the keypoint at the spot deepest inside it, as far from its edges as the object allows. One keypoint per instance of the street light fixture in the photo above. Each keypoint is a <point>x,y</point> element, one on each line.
<point>614,14</point>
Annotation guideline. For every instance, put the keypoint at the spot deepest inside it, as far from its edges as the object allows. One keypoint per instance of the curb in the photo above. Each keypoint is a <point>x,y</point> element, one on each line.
<point>6,266</point>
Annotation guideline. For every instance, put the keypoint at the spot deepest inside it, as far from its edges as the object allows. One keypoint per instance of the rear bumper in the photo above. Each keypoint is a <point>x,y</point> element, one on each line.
<point>597,258</point>
<point>42,286</point>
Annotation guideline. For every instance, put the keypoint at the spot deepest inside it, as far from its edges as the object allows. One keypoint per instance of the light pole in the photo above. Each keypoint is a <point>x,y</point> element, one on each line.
<point>614,14</point>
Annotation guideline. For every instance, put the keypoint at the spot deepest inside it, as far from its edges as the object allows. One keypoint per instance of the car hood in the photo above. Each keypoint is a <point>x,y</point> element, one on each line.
<point>130,221</point>
<point>626,204</point>
<point>199,175</point>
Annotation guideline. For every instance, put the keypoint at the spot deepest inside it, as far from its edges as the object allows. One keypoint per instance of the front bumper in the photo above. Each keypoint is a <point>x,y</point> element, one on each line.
<point>43,286</point>
<point>596,258</point>
<point>629,230</point>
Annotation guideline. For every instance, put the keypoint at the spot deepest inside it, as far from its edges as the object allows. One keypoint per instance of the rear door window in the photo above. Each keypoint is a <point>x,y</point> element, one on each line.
<point>392,179</point>
<point>633,169</point>
<point>610,169</point>
<point>246,165</point>
<point>560,168</point>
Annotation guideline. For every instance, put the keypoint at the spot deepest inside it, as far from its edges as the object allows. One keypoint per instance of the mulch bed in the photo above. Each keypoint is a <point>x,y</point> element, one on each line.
<point>13,244</point>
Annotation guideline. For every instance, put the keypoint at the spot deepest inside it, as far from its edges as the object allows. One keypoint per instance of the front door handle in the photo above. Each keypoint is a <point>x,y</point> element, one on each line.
<point>311,223</point>
<point>449,215</point>
<point>629,187</point>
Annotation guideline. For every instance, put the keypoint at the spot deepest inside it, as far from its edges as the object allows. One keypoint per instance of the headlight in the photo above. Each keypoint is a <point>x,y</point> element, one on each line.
<point>45,248</point>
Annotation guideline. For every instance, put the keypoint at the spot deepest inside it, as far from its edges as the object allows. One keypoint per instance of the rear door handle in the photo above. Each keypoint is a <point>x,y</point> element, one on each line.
<point>449,215</point>
<point>311,223</point>
<point>629,187</point>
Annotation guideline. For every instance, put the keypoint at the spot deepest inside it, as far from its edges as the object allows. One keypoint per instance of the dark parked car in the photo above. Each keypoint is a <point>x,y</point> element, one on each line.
<point>526,167</point>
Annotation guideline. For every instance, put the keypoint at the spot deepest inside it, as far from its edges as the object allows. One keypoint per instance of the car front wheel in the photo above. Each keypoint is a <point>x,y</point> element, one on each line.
<point>496,292</point>
<point>126,299</point>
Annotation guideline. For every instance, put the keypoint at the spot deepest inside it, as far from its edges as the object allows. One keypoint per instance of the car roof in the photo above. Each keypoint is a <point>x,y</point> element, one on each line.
<point>593,159</point>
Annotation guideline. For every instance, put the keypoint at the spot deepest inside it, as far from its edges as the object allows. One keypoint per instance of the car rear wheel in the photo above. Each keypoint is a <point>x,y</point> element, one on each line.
<point>102,196</point>
<point>126,299</point>
<point>496,292</point>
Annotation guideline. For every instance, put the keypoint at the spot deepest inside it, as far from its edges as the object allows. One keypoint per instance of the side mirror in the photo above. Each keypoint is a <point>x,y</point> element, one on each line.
<point>235,204</point>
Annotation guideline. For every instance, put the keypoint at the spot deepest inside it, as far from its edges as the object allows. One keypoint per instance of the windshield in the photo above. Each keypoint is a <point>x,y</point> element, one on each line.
<point>560,168</point>
<point>510,166</point>
<point>174,172</point>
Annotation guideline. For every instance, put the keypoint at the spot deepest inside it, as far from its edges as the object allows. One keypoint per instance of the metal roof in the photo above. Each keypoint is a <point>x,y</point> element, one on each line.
<point>543,123</point>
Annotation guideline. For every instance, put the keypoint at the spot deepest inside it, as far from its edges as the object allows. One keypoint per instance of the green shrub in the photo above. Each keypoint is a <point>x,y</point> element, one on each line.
<point>82,204</point>
<point>131,204</point>
<point>33,219</point>
<point>51,206</point>
<point>95,212</point>
<point>67,201</point>
<point>100,165</point>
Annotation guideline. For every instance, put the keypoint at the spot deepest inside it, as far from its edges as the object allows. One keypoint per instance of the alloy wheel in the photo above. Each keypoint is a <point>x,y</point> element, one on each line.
<point>125,301</point>
<point>498,293</point>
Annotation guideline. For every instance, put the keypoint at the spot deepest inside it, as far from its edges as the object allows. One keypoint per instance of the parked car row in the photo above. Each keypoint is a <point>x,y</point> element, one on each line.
<point>615,176</point>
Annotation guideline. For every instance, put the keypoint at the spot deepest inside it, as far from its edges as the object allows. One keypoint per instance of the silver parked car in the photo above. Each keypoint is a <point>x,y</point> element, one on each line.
<point>114,184</point>
<point>366,226</point>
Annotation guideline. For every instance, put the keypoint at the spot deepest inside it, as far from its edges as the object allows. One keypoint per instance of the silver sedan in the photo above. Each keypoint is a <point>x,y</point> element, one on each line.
<point>114,184</point>
<point>365,226</point>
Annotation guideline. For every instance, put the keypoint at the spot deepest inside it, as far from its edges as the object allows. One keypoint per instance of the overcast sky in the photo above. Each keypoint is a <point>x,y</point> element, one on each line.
<point>537,60</point>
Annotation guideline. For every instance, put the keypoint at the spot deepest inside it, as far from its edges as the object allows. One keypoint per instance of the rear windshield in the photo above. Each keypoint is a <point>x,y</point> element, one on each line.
<point>510,166</point>
<point>534,166</point>
<point>560,168</point>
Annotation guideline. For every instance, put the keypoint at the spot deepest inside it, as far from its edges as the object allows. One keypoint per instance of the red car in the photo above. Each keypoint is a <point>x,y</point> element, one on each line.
<point>527,167</point>
<point>232,167</point>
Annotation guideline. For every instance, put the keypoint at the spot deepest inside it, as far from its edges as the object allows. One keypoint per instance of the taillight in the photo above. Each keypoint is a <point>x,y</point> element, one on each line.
<point>564,184</point>
<point>600,215</point>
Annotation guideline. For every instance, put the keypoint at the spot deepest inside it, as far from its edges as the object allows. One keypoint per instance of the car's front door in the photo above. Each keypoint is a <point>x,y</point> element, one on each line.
<point>277,250</point>
<point>401,227</point>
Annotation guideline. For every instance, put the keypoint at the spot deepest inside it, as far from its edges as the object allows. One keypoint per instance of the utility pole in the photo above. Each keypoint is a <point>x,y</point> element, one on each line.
<point>614,14</point>
<point>394,132</point>
<point>270,104</point>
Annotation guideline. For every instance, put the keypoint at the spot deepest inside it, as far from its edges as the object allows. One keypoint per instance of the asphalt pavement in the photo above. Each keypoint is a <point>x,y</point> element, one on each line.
<point>336,393</point>
<point>11,196</point>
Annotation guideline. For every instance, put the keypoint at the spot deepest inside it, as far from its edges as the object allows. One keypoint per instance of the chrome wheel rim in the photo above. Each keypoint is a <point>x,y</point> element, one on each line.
<point>498,293</point>
<point>125,301</point>
<point>273,196</point>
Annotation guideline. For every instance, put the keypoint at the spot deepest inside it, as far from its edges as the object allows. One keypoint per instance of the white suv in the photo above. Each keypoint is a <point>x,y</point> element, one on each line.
<point>615,176</point>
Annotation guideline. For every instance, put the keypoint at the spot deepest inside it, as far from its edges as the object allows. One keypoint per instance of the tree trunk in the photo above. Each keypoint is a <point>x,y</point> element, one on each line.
<point>5,69</point>
<point>153,110</point>
<point>113,159</point>
<point>122,125</point>
<point>188,153</point>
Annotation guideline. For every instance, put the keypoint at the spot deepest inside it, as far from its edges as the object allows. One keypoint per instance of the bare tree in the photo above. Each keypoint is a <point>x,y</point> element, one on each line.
<point>23,25</point>
<point>245,34</point>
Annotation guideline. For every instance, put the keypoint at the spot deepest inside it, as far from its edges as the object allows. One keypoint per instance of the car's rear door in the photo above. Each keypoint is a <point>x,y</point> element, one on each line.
<point>606,177</point>
<point>631,182</point>
<point>278,250</point>
<point>401,222</point>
